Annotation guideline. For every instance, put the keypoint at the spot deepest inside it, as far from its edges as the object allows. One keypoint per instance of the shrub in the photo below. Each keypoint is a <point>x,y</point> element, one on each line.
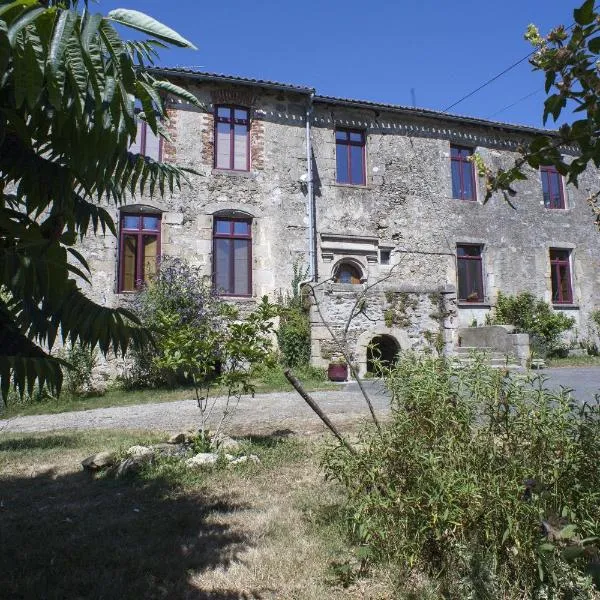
<point>78,376</point>
<point>293,334</point>
<point>488,483</point>
<point>535,317</point>
<point>201,338</point>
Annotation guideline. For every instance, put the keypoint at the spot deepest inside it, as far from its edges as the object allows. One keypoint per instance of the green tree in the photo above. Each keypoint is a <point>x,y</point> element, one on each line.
<point>569,57</point>
<point>69,85</point>
<point>202,338</point>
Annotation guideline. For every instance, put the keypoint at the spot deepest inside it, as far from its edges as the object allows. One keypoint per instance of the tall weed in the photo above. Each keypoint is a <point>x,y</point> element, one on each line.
<point>486,482</point>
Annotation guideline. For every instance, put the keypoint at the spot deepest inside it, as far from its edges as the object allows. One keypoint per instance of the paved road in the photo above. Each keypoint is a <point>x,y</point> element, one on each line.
<point>266,412</point>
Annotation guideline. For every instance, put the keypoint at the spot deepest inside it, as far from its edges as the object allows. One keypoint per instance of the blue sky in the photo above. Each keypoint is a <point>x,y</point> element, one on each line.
<point>371,50</point>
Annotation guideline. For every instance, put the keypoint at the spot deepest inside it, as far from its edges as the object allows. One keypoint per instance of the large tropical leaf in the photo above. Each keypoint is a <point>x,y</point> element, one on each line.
<point>142,22</point>
<point>68,88</point>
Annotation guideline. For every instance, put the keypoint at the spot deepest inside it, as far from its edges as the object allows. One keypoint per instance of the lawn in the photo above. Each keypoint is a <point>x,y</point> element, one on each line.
<point>270,381</point>
<point>267,531</point>
<point>574,361</point>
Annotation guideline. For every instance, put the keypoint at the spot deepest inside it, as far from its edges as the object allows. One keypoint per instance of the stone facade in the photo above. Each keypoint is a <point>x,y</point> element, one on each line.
<point>405,209</point>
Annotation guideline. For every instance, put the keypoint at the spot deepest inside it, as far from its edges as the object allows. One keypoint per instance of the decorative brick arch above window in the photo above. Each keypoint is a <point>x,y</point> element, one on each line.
<point>242,101</point>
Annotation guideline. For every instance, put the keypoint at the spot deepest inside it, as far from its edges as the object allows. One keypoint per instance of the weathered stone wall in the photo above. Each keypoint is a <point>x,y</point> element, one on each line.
<point>417,318</point>
<point>407,204</point>
<point>405,207</point>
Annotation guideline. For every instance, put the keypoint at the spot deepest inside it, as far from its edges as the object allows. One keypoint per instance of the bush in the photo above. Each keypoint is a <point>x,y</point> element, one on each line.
<point>293,334</point>
<point>535,317</point>
<point>78,376</point>
<point>485,482</point>
<point>200,338</point>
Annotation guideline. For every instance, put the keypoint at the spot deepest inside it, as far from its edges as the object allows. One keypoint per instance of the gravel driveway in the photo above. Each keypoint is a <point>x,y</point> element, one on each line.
<point>265,412</point>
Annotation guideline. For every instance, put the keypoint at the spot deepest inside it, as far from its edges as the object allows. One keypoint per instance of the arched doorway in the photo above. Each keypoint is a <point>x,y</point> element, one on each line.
<point>383,349</point>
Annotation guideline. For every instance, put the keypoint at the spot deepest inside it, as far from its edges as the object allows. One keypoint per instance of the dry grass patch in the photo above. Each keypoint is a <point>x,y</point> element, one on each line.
<point>267,531</point>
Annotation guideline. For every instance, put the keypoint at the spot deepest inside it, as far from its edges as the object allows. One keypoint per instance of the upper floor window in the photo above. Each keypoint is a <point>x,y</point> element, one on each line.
<point>552,187</point>
<point>560,267</point>
<point>232,256</point>
<point>139,250</point>
<point>347,273</point>
<point>232,138</point>
<point>470,273</point>
<point>350,156</point>
<point>147,142</point>
<point>463,173</point>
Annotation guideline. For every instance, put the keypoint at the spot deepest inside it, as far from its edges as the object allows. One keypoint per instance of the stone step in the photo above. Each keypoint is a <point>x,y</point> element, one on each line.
<point>469,349</point>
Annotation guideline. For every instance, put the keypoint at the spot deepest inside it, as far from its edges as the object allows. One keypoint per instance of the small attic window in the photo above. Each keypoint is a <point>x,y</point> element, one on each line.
<point>347,273</point>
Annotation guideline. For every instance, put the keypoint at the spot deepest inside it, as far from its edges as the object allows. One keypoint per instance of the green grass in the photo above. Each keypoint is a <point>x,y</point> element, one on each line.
<point>574,361</point>
<point>267,381</point>
<point>264,530</point>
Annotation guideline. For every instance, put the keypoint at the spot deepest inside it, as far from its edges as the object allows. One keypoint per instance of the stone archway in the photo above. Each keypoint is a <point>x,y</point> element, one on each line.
<point>398,335</point>
<point>383,349</point>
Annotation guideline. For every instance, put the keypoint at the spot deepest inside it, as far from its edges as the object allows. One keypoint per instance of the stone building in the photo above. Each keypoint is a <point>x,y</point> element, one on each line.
<point>361,193</point>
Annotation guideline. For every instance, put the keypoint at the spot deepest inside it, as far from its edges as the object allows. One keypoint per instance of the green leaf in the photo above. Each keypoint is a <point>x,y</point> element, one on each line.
<point>28,18</point>
<point>142,22</point>
<point>584,15</point>
<point>594,45</point>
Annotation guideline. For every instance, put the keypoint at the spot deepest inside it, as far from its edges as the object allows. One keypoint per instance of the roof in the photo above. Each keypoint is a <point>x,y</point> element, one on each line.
<point>206,76</point>
<point>189,73</point>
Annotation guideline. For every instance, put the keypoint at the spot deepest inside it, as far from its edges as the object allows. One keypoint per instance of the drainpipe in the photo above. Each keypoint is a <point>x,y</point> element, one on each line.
<point>312,256</point>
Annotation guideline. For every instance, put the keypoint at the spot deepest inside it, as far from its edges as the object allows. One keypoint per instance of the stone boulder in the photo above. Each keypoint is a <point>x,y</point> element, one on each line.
<point>224,443</point>
<point>99,461</point>
<point>240,460</point>
<point>170,449</point>
<point>201,460</point>
<point>140,452</point>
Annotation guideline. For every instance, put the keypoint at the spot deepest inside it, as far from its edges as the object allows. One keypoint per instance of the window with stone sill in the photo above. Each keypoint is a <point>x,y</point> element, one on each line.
<point>470,273</point>
<point>552,188</point>
<point>139,249</point>
<point>350,156</point>
<point>560,274</point>
<point>232,256</point>
<point>232,138</point>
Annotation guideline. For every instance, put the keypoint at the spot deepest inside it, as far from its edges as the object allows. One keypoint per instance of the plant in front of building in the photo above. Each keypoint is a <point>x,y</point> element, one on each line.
<point>530,315</point>
<point>293,333</point>
<point>202,339</point>
<point>483,483</point>
<point>69,87</point>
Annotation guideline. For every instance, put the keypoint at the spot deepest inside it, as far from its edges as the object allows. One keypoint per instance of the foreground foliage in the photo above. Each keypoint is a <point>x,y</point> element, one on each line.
<point>69,85</point>
<point>485,482</point>
<point>533,316</point>
<point>202,339</point>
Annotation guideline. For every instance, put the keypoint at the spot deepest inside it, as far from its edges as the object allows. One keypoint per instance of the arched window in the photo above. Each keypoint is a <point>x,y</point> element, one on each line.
<point>347,273</point>
<point>139,248</point>
<point>232,255</point>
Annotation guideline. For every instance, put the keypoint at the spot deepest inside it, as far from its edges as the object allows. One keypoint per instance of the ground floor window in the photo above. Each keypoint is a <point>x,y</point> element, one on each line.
<point>470,273</point>
<point>139,250</point>
<point>232,256</point>
<point>560,267</point>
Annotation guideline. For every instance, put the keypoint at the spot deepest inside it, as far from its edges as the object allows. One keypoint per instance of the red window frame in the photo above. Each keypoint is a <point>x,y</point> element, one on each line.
<point>560,264</point>
<point>462,160</point>
<point>346,146</point>
<point>231,235</point>
<point>548,173</point>
<point>232,121</point>
<point>470,258</point>
<point>139,232</point>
